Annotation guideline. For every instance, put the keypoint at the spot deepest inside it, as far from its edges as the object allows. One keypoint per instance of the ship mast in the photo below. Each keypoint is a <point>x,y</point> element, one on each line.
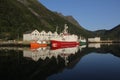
<point>65,31</point>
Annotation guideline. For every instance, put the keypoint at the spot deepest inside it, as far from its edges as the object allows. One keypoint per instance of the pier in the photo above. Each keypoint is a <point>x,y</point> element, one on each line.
<point>15,43</point>
<point>105,41</point>
<point>27,43</point>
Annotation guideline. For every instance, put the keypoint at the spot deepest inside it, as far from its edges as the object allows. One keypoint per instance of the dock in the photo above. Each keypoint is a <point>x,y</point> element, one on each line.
<point>27,43</point>
<point>14,43</point>
<point>105,41</point>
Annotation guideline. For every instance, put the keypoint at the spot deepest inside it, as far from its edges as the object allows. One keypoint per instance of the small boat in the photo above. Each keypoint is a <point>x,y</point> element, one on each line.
<point>82,41</point>
<point>37,44</point>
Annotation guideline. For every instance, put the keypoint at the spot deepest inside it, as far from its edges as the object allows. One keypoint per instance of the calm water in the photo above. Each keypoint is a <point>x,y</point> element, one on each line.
<point>87,62</point>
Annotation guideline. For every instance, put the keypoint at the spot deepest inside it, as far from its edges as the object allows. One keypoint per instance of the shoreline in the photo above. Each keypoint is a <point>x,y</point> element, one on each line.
<point>27,43</point>
<point>105,41</point>
<point>14,43</point>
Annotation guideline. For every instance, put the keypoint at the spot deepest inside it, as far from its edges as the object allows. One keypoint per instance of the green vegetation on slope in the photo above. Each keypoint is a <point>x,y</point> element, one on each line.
<point>19,16</point>
<point>112,34</point>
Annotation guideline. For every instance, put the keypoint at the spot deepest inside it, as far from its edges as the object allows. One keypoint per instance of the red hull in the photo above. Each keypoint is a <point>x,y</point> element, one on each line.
<point>63,44</point>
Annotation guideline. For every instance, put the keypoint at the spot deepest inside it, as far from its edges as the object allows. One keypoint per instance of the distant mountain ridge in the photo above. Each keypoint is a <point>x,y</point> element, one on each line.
<point>19,16</point>
<point>113,34</point>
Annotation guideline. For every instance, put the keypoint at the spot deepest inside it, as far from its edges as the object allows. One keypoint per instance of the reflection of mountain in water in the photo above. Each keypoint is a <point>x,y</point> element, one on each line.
<point>36,64</point>
<point>105,48</point>
<point>39,64</point>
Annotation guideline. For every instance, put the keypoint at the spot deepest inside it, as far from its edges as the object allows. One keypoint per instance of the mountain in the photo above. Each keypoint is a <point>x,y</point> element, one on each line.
<point>19,16</point>
<point>100,32</point>
<point>113,34</point>
<point>69,18</point>
<point>72,20</point>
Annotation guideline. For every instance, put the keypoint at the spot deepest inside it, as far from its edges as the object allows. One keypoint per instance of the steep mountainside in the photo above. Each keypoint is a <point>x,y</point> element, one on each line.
<point>113,33</point>
<point>69,18</point>
<point>19,16</point>
<point>73,21</point>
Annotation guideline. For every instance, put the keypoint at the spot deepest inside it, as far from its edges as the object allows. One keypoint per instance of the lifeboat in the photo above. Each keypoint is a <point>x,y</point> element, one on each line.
<point>37,44</point>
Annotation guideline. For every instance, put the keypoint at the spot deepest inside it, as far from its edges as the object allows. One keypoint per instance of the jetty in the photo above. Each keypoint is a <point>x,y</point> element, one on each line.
<point>105,41</point>
<point>15,43</point>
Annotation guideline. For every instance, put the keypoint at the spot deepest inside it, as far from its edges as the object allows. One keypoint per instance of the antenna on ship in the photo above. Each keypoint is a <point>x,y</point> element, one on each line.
<point>65,28</point>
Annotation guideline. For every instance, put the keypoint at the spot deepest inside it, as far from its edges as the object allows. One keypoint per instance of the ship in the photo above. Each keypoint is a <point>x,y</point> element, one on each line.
<point>64,39</point>
<point>82,41</point>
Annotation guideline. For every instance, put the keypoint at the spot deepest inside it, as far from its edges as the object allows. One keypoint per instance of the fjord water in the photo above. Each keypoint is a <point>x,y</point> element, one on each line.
<point>87,62</point>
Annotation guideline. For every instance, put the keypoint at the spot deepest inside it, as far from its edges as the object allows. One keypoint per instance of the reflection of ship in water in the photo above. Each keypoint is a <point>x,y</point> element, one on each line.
<point>42,67</point>
<point>37,53</point>
<point>37,64</point>
<point>82,47</point>
<point>47,53</point>
<point>98,45</point>
<point>50,61</point>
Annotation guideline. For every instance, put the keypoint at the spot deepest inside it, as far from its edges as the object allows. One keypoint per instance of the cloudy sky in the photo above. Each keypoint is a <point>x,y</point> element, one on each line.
<point>91,14</point>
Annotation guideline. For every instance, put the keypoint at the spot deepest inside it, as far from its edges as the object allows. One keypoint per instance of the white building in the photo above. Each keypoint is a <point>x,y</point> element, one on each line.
<point>42,35</point>
<point>36,35</point>
<point>27,36</point>
<point>31,35</point>
<point>49,35</point>
<point>96,39</point>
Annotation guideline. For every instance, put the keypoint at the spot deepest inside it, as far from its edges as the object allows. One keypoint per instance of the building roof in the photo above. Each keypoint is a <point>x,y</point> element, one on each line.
<point>29,32</point>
